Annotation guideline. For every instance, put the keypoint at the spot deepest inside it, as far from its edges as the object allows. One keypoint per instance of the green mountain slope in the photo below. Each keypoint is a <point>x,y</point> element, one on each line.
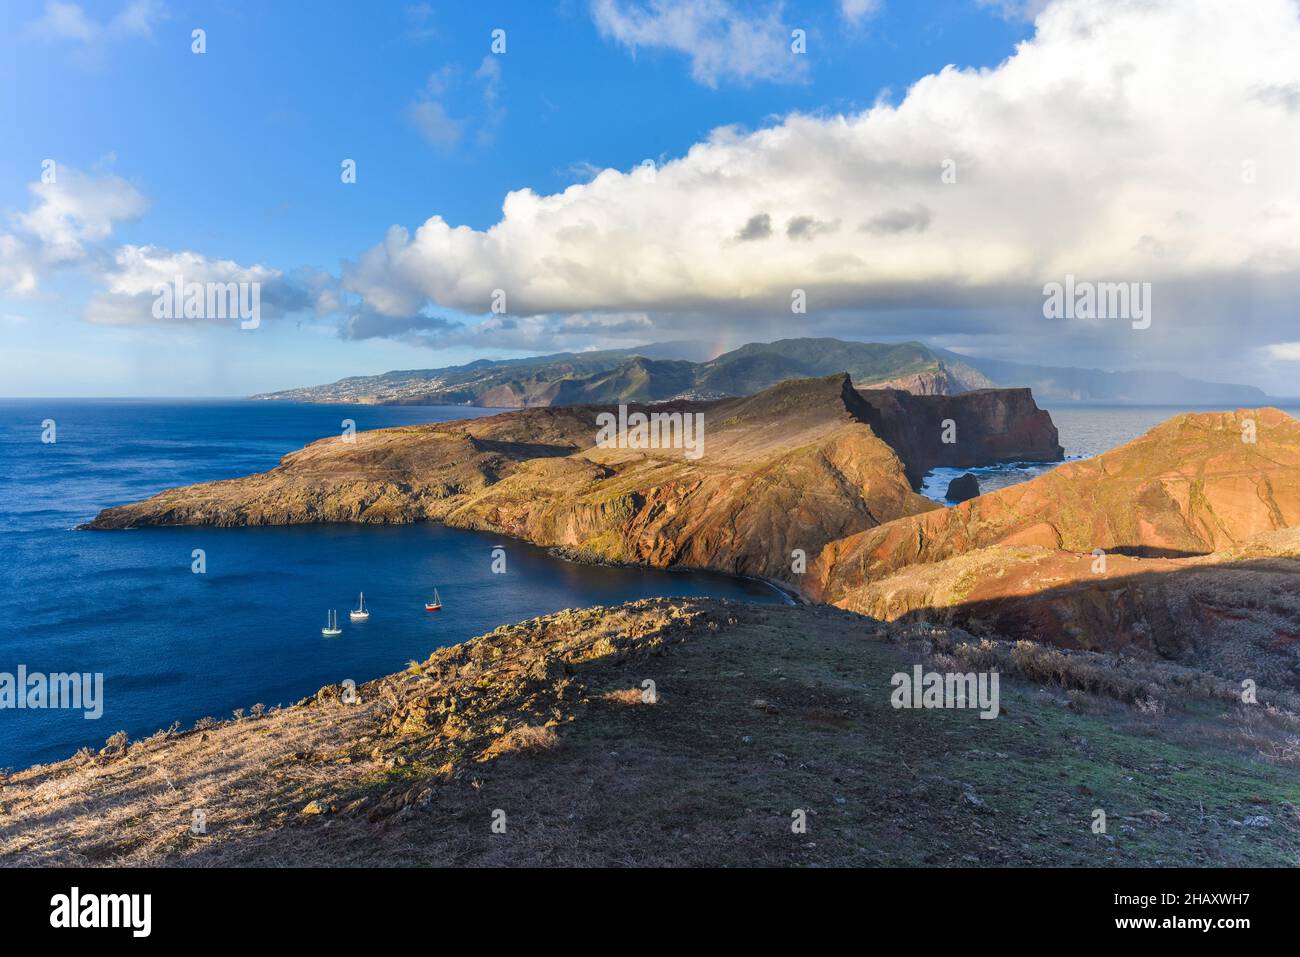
<point>649,374</point>
<point>657,373</point>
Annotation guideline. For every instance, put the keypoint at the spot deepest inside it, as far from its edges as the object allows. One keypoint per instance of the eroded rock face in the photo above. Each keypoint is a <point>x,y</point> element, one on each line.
<point>987,426</point>
<point>938,382</point>
<point>1188,487</point>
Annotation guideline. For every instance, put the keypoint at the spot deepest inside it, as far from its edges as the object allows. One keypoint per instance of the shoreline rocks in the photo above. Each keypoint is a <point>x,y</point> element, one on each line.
<point>963,488</point>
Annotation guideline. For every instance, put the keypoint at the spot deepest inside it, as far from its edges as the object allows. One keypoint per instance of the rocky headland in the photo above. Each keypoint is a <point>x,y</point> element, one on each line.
<point>797,466</point>
<point>810,484</point>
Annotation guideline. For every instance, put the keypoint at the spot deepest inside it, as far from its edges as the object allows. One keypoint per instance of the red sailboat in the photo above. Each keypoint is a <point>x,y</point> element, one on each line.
<point>436,604</point>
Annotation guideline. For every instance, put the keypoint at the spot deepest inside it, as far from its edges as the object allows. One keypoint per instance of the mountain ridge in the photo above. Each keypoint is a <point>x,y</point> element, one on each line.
<point>664,371</point>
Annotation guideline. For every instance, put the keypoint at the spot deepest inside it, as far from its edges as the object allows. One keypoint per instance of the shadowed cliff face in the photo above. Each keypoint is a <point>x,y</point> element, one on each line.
<point>988,426</point>
<point>1235,613</point>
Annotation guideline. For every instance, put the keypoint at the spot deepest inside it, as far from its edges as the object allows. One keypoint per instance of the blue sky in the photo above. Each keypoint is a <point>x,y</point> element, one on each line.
<point>234,156</point>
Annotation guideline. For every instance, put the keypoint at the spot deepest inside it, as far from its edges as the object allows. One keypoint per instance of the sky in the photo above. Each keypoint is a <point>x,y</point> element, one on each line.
<point>548,176</point>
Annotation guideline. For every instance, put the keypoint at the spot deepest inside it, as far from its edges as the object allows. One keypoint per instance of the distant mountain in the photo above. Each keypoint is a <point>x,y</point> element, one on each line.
<point>664,371</point>
<point>759,365</point>
<point>654,373</point>
<point>1064,384</point>
<point>530,381</point>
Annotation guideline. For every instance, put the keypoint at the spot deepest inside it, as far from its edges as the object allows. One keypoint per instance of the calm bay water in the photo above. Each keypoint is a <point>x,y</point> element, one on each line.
<point>174,645</point>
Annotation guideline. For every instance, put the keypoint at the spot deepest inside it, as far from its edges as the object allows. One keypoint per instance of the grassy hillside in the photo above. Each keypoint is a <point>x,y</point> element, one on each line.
<point>758,712</point>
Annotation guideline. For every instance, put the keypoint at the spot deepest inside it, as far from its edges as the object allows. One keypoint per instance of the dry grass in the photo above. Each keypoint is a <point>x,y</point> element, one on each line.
<point>526,737</point>
<point>759,710</point>
<point>630,696</point>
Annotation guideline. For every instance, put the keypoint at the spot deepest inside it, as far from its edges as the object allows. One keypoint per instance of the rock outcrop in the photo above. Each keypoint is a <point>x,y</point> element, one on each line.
<point>963,489</point>
<point>983,427</point>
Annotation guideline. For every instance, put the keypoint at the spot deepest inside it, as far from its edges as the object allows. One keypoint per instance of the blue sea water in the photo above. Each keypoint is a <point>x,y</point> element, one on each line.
<point>174,645</point>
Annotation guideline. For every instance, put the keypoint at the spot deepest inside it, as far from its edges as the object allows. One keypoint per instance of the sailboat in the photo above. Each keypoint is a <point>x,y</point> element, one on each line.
<point>360,614</point>
<point>331,625</point>
<point>436,604</point>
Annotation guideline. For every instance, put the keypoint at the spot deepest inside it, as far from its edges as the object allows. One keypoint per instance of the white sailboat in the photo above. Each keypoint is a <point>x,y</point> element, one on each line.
<point>360,613</point>
<point>436,604</point>
<point>331,625</point>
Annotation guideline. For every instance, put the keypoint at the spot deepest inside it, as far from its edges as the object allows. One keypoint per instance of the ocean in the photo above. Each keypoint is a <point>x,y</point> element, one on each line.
<point>178,646</point>
<point>175,645</point>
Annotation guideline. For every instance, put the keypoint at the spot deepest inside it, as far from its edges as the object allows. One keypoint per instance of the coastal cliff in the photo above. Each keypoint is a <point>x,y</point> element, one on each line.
<point>754,710</point>
<point>1190,486</point>
<point>988,426</point>
<point>793,467</point>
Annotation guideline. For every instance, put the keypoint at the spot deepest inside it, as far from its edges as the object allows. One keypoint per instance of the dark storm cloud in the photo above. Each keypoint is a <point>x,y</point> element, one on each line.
<point>758,227</point>
<point>892,222</point>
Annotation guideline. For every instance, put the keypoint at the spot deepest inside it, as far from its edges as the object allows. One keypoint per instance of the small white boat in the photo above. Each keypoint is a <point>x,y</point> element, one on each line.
<point>360,614</point>
<point>436,604</point>
<point>331,625</point>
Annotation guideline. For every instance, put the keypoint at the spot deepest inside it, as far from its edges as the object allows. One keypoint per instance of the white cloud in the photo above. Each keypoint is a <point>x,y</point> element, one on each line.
<point>131,280</point>
<point>65,21</point>
<point>1283,351</point>
<point>430,117</point>
<point>17,266</point>
<point>1110,145</point>
<point>724,41</point>
<point>858,12</point>
<point>137,269</point>
<point>419,17</point>
<point>66,220</point>
<point>69,225</point>
<point>77,208</point>
<point>430,114</point>
<point>68,21</point>
<point>1017,9</point>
